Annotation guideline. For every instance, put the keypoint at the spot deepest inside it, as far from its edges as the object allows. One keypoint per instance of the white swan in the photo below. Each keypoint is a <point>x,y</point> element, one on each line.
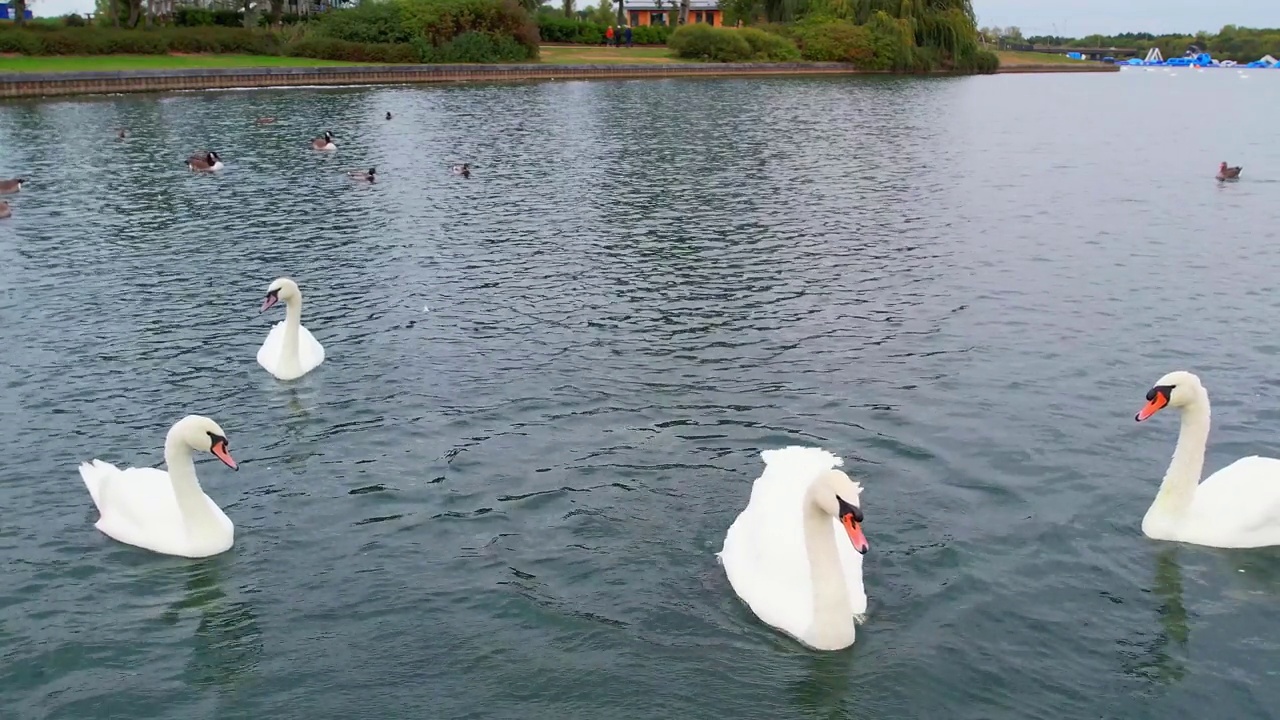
<point>1236,507</point>
<point>794,555</point>
<point>290,350</point>
<point>165,512</point>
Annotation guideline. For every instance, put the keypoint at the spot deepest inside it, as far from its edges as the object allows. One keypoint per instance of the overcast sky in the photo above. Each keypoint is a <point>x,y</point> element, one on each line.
<point>1076,18</point>
<point>1037,17</point>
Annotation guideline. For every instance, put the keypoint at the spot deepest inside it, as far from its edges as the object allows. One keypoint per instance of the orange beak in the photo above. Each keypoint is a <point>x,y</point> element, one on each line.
<point>220,449</point>
<point>854,529</point>
<point>1159,398</point>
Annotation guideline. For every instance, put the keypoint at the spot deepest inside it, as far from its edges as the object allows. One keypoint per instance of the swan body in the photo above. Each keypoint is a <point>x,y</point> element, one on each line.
<point>794,555</point>
<point>1236,507</point>
<point>290,350</point>
<point>165,511</point>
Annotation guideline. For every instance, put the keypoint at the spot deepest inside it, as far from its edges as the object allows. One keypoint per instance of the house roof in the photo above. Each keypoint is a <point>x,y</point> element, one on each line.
<point>670,5</point>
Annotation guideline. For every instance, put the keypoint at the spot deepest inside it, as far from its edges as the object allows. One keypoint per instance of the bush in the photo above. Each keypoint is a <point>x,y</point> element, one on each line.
<point>74,20</point>
<point>720,44</point>
<point>835,41</point>
<point>704,42</point>
<point>441,22</point>
<point>368,22</point>
<point>187,16</point>
<point>331,49</point>
<point>109,41</point>
<point>651,34</point>
<point>767,47</point>
<point>474,47</point>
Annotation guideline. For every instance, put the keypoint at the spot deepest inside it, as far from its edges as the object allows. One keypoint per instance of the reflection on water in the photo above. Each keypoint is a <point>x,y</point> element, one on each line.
<point>1162,658</point>
<point>228,641</point>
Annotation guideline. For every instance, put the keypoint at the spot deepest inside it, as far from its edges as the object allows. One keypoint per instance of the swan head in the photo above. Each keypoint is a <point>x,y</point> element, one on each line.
<point>838,496</point>
<point>1177,390</point>
<point>281,290</point>
<point>203,434</point>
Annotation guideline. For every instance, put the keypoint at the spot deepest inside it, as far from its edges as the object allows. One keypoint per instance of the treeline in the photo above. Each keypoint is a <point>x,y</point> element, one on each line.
<point>890,35</point>
<point>388,31</point>
<point>1229,43</point>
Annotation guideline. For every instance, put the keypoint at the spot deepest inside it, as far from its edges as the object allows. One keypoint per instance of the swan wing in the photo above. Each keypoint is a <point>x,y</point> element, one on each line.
<point>1239,506</point>
<point>138,507</point>
<point>310,351</point>
<point>269,353</point>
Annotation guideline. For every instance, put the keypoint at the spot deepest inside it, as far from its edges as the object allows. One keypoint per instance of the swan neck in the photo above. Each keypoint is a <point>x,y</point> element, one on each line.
<point>1179,485</point>
<point>832,612</point>
<point>186,487</point>
<point>292,321</point>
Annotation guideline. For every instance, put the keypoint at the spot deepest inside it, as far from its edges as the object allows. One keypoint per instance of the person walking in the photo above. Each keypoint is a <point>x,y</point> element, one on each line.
<point>608,36</point>
<point>627,32</point>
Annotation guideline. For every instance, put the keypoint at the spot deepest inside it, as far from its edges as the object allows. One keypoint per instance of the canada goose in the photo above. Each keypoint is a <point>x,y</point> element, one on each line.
<point>5,212</point>
<point>1228,173</point>
<point>362,175</point>
<point>388,115</point>
<point>11,186</point>
<point>209,163</point>
<point>464,170</point>
<point>324,143</point>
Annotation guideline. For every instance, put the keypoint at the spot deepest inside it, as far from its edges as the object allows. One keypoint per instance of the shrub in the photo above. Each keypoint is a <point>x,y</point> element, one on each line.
<point>17,41</point>
<point>650,34</point>
<point>474,47</point>
<point>767,47</point>
<point>74,20</point>
<point>107,41</point>
<point>368,22</point>
<point>704,42</point>
<point>439,22</point>
<point>835,41</point>
<point>187,16</point>
<point>331,49</point>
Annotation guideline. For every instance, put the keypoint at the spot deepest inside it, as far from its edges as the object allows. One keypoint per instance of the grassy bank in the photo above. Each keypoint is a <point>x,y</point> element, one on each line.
<point>1009,58</point>
<point>76,63</point>
<point>600,55</point>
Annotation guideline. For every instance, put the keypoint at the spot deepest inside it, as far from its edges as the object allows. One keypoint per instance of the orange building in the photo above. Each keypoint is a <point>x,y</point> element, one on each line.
<point>650,12</point>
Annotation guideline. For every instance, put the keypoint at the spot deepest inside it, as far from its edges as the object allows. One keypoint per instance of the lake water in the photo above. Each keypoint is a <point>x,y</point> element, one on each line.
<point>548,385</point>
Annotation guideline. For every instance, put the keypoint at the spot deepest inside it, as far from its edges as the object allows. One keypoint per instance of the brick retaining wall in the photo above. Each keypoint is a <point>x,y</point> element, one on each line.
<point>77,83</point>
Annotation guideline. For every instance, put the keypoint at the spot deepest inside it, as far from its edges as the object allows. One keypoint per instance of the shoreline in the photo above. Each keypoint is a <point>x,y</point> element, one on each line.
<point>18,85</point>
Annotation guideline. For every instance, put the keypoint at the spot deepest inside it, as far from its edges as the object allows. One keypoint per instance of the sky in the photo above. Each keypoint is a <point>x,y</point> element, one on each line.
<point>1077,18</point>
<point>1073,18</point>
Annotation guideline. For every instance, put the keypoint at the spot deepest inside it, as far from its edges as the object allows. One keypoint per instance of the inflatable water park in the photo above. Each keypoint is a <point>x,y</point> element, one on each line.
<point>1196,58</point>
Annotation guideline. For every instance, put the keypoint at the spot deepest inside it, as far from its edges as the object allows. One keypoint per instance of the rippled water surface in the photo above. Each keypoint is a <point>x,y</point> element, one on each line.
<point>547,388</point>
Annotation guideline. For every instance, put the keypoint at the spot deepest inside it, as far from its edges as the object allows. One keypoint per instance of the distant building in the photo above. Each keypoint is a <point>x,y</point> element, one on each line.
<point>5,14</point>
<point>667,12</point>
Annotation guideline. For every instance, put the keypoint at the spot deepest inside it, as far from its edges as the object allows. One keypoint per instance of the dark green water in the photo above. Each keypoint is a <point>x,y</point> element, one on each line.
<point>547,388</point>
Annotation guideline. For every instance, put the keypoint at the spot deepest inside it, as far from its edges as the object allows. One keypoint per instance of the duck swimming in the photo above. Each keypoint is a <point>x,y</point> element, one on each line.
<point>464,170</point>
<point>1228,173</point>
<point>362,175</point>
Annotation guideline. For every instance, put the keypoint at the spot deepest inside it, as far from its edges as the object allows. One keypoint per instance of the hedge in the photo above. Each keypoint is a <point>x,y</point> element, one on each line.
<point>720,44</point>
<point>471,31</point>
<point>557,28</point>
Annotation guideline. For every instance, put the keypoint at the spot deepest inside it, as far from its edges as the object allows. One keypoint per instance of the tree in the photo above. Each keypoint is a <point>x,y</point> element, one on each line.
<point>20,10</point>
<point>567,6</point>
<point>684,12</point>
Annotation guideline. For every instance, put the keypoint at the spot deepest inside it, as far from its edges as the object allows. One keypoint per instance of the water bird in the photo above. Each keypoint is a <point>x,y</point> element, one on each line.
<point>9,187</point>
<point>211,162</point>
<point>5,212</point>
<point>324,143</point>
<point>388,114</point>
<point>1228,173</point>
<point>362,175</point>
<point>464,170</point>
<point>165,511</point>
<point>290,350</point>
<point>1236,507</point>
<point>794,555</point>
<point>265,120</point>
<point>122,133</point>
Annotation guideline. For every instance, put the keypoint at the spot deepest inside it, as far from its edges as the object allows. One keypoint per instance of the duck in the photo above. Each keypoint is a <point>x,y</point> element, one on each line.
<point>165,511</point>
<point>1228,173</point>
<point>211,162</point>
<point>122,133</point>
<point>1235,507</point>
<point>794,555</point>
<point>388,114</point>
<point>324,143</point>
<point>5,212</point>
<point>464,170</point>
<point>362,175</point>
<point>290,350</point>
<point>8,187</point>
<point>265,120</point>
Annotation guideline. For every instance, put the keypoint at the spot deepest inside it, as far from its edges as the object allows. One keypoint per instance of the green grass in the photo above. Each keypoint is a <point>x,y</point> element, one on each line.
<point>601,55</point>
<point>1010,57</point>
<point>77,63</point>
